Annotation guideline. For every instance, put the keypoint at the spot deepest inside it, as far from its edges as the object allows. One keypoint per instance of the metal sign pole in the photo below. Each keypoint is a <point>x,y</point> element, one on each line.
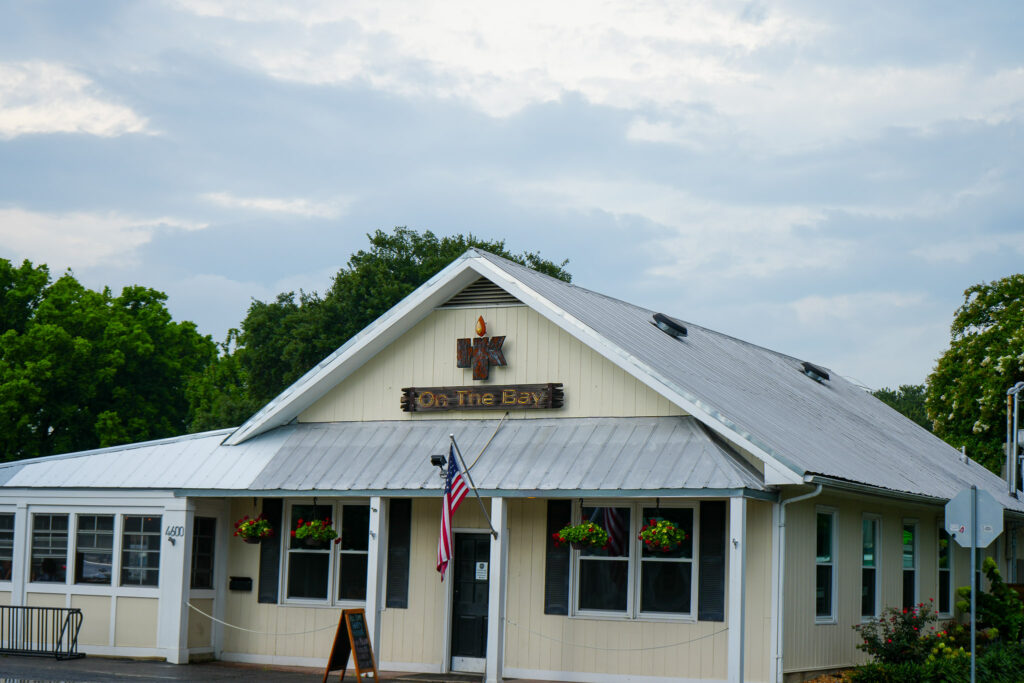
<point>974,575</point>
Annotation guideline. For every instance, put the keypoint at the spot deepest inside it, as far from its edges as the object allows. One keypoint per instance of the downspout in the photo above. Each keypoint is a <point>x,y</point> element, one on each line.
<point>781,587</point>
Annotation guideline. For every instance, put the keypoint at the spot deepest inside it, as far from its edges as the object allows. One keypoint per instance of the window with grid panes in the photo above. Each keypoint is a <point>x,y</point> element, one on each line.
<point>140,550</point>
<point>909,564</point>
<point>312,567</point>
<point>204,535</point>
<point>94,549</point>
<point>6,545</point>
<point>869,568</point>
<point>49,548</point>
<point>626,578</point>
<point>945,573</point>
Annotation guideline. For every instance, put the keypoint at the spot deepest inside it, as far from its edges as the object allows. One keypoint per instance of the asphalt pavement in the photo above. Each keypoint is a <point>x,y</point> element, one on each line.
<point>17,669</point>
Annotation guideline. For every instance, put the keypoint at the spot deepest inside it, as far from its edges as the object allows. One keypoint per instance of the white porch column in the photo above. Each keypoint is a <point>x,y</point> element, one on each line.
<point>376,563</point>
<point>22,550</point>
<point>737,586</point>
<point>175,570</point>
<point>497,579</point>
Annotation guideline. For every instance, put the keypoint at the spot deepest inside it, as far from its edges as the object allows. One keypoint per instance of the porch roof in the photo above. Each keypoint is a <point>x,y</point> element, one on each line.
<point>595,456</point>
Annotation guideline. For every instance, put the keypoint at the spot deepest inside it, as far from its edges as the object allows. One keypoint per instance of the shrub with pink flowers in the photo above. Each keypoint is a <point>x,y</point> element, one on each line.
<point>901,635</point>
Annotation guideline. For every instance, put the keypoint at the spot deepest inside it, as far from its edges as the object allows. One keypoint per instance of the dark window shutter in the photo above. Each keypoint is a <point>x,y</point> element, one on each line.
<point>399,539</point>
<point>556,563</point>
<point>270,551</point>
<point>711,559</point>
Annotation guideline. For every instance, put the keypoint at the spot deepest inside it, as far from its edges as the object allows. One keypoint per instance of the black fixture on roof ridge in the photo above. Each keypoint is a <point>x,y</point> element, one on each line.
<point>669,325</point>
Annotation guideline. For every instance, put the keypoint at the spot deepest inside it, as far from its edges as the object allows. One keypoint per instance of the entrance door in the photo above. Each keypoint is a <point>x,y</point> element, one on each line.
<point>469,601</point>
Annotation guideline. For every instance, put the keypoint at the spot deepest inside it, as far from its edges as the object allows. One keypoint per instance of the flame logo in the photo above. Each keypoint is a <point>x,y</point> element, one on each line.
<point>481,327</point>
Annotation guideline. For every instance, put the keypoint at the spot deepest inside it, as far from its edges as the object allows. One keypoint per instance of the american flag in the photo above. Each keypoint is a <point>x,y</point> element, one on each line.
<point>455,490</point>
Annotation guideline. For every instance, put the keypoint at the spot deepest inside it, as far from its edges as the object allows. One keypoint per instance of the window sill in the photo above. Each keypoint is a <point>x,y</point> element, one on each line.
<point>93,589</point>
<point>322,604</point>
<point>826,622</point>
<point>644,618</point>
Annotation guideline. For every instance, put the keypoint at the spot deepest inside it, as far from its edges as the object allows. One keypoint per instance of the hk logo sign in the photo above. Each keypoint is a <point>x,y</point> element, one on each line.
<point>480,353</point>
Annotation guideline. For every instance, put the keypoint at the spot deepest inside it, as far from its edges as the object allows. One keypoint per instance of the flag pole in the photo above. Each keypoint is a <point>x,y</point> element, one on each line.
<point>469,476</point>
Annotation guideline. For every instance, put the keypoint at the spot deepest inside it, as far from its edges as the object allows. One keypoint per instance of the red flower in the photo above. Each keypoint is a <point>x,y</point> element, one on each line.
<point>293,533</point>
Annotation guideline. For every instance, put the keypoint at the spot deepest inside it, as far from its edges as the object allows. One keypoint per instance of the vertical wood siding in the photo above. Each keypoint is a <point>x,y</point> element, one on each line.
<point>759,591</point>
<point>200,631</point>
<point>536,350</point>
<point>811,646</point>
<point>535,640</point>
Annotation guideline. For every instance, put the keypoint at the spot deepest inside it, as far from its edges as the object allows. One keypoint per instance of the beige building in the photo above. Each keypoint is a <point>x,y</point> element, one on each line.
<point>808,506</point>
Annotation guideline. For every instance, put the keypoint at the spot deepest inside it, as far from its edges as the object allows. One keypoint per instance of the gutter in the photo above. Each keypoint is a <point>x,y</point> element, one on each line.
<point>779,550</point>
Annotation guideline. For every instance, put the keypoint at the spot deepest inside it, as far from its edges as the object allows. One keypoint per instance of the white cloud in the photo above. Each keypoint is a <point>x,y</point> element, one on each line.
<point>79,239</point>
<point>750,77</point>
<point>43,97</point>
<point>722,240</point>
<point>844,308</point>
<point>296,205</point>
<point>966,250</point>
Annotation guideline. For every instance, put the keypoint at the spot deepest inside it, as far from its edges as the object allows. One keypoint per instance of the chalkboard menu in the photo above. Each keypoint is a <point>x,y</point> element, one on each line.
<point>352,637</point>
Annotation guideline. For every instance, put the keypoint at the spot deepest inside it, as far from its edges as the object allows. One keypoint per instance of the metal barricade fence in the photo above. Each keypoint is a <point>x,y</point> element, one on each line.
<point>40,631</point>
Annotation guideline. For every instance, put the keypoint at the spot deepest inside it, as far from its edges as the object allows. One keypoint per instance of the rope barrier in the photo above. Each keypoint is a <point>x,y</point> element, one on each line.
<point>616,649</point>
<point>261,633</point>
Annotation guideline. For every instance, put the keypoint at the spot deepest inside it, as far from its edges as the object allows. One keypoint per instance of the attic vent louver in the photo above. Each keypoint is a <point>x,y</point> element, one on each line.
<point>814,372</point>
<point>671,327</point>
<point>483,292</point>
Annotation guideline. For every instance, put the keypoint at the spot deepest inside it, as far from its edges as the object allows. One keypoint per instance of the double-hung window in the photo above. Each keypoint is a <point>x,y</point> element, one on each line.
<point>869,567</point>
<point>140,550</point>
<point>94,549</point>
<point>49,548</point>
<point>825,567</point>
<point>626,579</point>
<point>313,567</point>
<point>909,564</point>
<point>204,536</point>
<point>6,545</point>
<point>945,563</point>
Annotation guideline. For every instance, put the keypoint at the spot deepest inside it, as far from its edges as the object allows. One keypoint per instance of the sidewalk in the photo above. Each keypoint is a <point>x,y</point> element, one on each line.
<point>16,669</point>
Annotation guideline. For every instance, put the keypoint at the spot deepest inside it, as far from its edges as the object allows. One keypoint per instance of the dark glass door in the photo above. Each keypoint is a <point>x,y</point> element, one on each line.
<point>469,603</point>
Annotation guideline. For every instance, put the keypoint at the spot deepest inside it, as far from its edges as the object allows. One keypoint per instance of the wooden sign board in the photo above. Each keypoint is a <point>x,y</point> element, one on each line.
<point>352,637</point>
<point>483,397</point>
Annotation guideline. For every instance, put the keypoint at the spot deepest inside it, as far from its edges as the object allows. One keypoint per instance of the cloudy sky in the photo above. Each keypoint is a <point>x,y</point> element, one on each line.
<point>822,180</point>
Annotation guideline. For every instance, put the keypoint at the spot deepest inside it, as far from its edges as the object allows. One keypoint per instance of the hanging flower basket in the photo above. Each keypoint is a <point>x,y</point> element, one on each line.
<point>661,535</point>
<point>581,536</point>
<point>253,529</point>
<point>315,533</point>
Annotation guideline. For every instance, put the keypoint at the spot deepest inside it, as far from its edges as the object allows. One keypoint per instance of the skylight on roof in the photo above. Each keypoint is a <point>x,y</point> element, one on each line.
<point>670,326</point>
<point>814,372</point>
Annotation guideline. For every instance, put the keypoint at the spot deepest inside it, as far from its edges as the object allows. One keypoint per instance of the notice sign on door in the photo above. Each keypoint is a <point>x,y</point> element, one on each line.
<point>481,571</point>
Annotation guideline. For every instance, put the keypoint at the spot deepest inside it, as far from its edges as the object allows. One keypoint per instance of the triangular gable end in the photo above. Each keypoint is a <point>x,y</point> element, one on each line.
<point>464,272</point>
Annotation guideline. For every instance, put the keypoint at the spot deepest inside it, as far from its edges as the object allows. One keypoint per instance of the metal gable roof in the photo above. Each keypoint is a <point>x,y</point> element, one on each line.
<point>834,429</point>
<point>617,456</point>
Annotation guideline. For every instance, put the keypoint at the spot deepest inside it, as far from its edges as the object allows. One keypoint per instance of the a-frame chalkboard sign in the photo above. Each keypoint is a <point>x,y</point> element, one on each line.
<point>352,637</point>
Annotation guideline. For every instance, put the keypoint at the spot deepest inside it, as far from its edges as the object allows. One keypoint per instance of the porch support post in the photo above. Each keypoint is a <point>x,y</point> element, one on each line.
<point>737,587</point>
<point>376,562</point>
<point>22,548</point>
<point>175,570</point>
<point>497,578</point>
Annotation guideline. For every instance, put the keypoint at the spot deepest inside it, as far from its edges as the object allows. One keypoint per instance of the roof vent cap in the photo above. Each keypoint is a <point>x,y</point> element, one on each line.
<point>814,372</point>
<point>671,327</point>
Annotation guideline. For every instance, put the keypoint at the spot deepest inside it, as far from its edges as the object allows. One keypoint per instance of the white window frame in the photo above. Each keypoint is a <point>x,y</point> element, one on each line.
<point>911,521</point>
<point>14,541</point>
<point>877,521</point>
<point>119,512</point>
<point>951,578</point>
<point>833,513</point>
<point>634,558</point>
<point>73,558</point>
<point>334,553</point>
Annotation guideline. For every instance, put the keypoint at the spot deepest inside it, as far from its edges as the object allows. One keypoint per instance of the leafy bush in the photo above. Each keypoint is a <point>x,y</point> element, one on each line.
<point>1000,611</point>
<point>900,635</point>
<point>1000,663</point>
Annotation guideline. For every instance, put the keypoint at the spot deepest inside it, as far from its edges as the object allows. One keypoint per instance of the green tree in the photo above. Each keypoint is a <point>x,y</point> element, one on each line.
<point>282,339</point>
<point>966,396</point>
<point>82,369</point>
<point>219,395</point>
<point>907,399</point>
